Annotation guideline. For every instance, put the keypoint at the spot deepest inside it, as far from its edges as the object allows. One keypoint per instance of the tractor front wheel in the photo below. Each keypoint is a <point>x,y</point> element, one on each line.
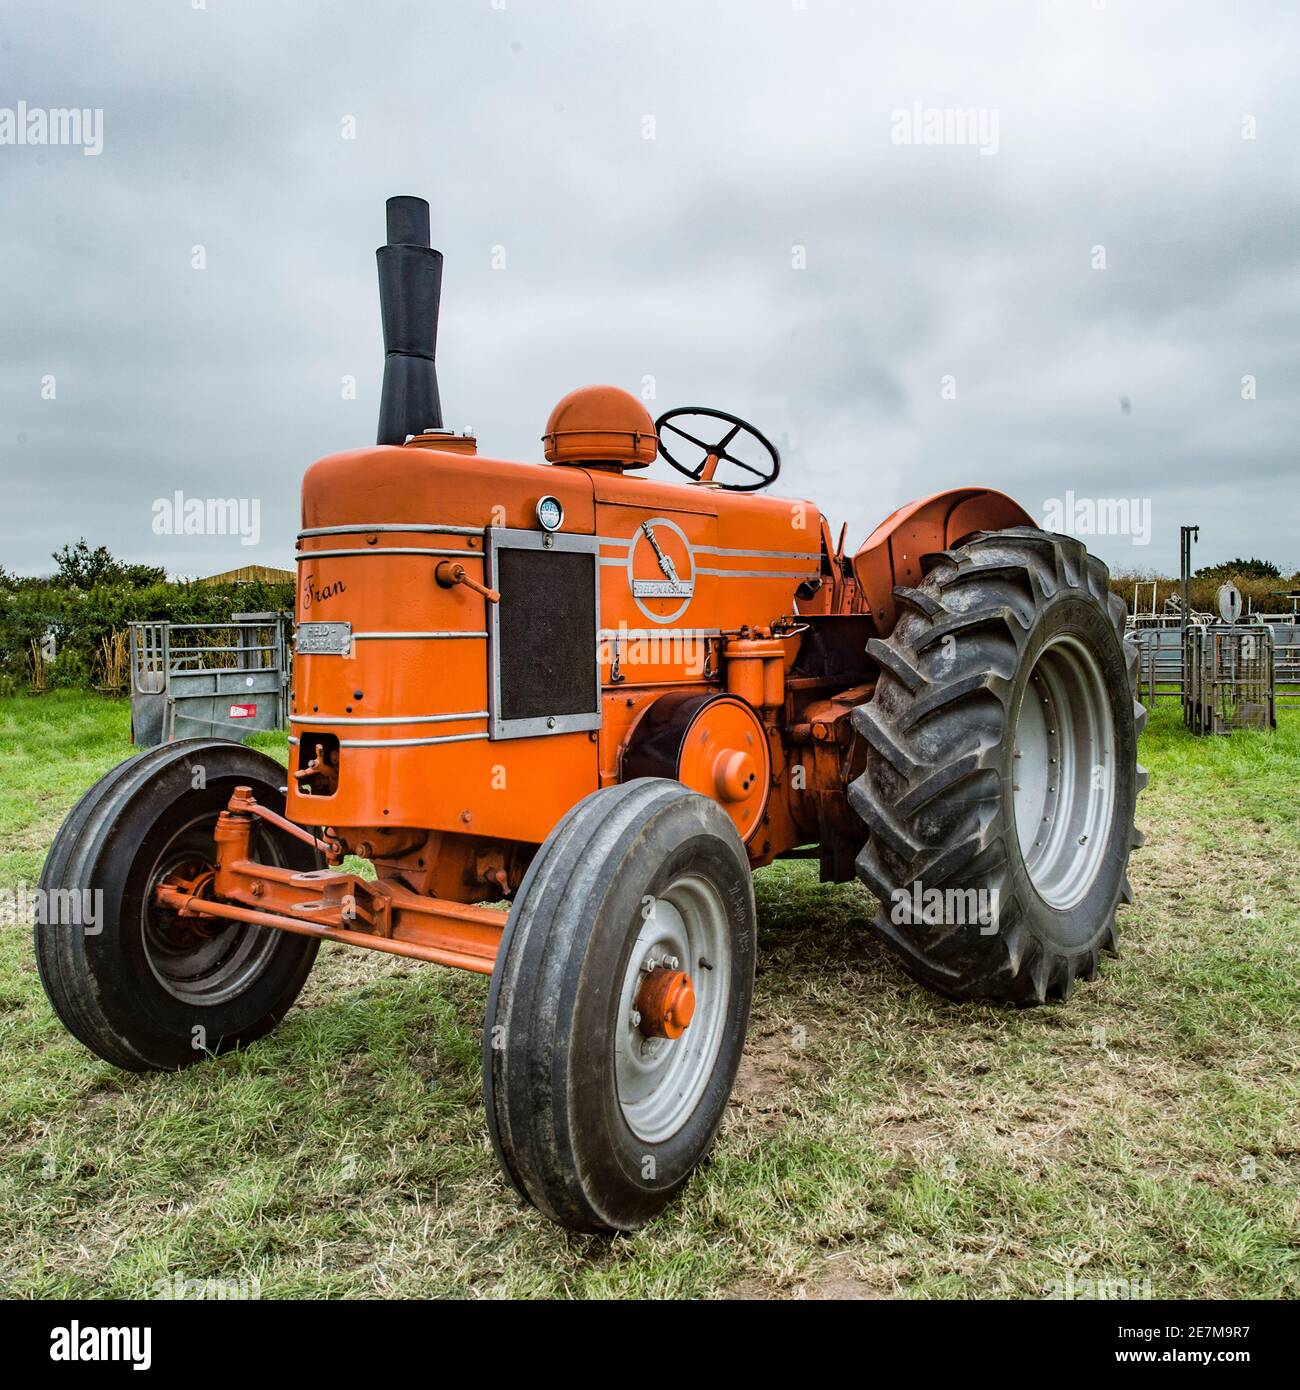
<point>141,986</point>
<point>1001,770</point>
<point>619,1003</point>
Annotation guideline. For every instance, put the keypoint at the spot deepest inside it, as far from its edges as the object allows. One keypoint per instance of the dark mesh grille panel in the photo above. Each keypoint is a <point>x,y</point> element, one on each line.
<point>547,624</point>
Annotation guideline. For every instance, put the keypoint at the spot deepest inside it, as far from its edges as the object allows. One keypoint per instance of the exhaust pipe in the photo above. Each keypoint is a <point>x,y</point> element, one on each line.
<point>410,287</point>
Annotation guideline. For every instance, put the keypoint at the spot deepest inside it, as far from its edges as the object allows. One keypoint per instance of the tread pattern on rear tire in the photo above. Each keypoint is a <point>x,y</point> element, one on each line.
<point>932,789</point>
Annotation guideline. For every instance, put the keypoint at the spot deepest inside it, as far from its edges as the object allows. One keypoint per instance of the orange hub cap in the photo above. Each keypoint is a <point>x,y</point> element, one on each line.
<point>666,1003</point>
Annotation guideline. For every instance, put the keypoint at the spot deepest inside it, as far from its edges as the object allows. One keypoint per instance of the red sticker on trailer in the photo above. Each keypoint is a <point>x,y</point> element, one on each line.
<point>242,711</point>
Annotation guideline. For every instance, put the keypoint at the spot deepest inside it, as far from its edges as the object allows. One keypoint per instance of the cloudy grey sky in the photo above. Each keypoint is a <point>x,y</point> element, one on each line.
<point>774,249</point>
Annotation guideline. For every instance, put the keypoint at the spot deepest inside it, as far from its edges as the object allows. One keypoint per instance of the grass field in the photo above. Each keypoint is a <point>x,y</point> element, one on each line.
<point>881,1142</point>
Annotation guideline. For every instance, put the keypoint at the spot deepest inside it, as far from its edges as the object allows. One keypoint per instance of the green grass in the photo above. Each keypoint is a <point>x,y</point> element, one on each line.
<point>881,1141</point>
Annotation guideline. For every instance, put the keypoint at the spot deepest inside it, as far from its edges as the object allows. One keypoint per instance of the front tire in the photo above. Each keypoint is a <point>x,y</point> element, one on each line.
<point>1001,772</point>
<point>598,1119</point>
<point>142,988</point>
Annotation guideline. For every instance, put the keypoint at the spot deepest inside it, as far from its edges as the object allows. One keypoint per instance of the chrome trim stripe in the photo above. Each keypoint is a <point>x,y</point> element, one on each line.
<point>405,742</point>
<point>759,554</point>
<point>734,574</point>
<point>608,634</point>
<point>625,541</point>
<point>414,636</point>
<point>412,526</point>
<point>391,719</point>
<point>760,574</point>
<point>388,550</point>
<point>409,742</point>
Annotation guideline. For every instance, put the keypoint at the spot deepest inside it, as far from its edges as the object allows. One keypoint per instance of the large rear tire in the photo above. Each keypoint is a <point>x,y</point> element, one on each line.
<point>1001,771</point>
<point>137,985</point>
<point>602,1092</point>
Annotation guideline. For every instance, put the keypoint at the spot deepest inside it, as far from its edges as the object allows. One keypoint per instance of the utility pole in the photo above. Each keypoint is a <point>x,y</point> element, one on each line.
<point>1187,535</point>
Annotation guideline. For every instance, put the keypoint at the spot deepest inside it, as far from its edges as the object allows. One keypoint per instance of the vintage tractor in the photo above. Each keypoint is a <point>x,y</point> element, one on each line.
<point>606,700</point>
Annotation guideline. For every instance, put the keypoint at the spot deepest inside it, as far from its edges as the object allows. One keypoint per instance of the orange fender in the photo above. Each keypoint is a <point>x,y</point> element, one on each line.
<point>892,553</point>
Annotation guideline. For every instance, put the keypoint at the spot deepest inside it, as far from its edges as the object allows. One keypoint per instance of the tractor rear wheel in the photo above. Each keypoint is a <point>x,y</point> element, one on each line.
<point>619,1003</point>
<point>1001,772</point>
<point>138,985</point>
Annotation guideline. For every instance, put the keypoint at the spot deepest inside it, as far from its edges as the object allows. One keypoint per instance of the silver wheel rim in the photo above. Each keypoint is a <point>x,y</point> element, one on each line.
<point>660,1081</point>
<point>1064,781</point>
<point>212,968</point>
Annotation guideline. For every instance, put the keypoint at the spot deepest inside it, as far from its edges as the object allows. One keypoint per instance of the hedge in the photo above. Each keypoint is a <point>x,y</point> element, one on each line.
<point>82,619</point>
<point>1258,595</point>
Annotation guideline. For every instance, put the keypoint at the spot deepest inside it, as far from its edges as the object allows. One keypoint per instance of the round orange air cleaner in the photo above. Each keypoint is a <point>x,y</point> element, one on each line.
<point>601,425</point>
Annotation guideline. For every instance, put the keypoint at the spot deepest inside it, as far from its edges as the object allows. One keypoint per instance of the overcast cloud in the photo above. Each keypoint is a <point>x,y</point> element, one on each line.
<point>1119,124</point>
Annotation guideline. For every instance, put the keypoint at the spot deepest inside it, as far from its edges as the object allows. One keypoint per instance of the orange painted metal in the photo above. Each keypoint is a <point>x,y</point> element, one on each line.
<point>725,756</point>
<point>242,801</point>
<point>741,557</point>
<point>601,425</point>
<point>444,439</point>
<point>382,582</point>
<point>891,555</point>
<point>330,904</point>
<point>666,1003</point>
<point>700,590</point>
<point>756,670</point>
<point>450,573</point>
<point>415,942</point>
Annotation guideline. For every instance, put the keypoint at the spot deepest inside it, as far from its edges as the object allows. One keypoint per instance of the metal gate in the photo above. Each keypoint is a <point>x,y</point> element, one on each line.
<point>1161,672</point>
<point>1286,661</point>
<point>1228,678</point>
<point>1160,657</point>
<point>211,680</point>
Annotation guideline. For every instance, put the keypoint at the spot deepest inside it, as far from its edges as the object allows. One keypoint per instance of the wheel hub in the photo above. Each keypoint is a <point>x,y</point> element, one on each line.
<point>197,960</point>
<point>1064,780</point>
<point>176,931</point>
<point>734,774</point>
<point>666,1003</point>
<point>672,1008</point>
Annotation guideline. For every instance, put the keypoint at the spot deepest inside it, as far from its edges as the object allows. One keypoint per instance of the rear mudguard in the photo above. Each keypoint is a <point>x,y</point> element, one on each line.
<point>891,554</point>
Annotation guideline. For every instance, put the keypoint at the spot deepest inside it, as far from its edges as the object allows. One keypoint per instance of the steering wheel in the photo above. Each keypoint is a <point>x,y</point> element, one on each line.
<point>711,455</point>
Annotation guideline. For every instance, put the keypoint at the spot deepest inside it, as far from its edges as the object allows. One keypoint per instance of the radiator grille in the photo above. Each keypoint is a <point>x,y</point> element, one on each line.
<point>544,639</point>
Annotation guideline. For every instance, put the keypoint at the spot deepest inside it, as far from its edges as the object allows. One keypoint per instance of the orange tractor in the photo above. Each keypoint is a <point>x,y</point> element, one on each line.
<point>606,701</point>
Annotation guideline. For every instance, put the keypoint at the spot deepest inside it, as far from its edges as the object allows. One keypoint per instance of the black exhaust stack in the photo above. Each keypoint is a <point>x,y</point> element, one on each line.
<point>410,287</point>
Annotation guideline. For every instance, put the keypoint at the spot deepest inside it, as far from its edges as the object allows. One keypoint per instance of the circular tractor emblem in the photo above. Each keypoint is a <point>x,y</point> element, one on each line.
<point>661,570</point>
